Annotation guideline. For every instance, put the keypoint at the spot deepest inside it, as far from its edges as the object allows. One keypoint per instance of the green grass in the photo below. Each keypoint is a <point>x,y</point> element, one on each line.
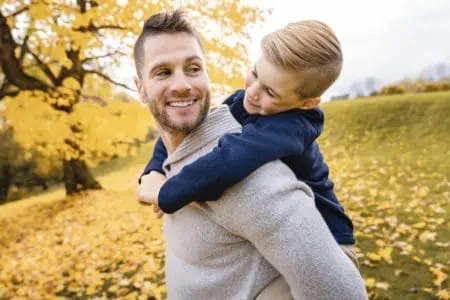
<point>141,159</point>
<point>389,158</point>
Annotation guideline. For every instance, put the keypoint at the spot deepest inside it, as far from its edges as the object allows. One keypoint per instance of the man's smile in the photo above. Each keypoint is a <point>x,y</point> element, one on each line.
<point>182,103</point>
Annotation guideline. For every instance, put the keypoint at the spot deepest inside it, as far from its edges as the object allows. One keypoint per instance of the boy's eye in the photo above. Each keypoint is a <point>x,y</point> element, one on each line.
<point>270,93</point>
<point>254,73</point>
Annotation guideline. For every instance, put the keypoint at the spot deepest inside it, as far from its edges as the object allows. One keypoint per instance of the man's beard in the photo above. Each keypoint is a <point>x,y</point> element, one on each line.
<point>159,112</point>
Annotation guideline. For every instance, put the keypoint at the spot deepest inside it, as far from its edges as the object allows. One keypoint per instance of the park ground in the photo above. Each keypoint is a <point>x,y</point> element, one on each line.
<point>389,160</point>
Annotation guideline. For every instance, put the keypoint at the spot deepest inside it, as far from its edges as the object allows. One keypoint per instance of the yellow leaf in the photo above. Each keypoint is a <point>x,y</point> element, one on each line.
<point>427,236</point>
<point>71,83</point>
<point>386,254</point>
<point>443,294</point>
<point>373,256</point>
<point>382,285</point>
<point>439,275</point>
<point>370,282</point>
<point>419,225</point>
<point>423,191</point>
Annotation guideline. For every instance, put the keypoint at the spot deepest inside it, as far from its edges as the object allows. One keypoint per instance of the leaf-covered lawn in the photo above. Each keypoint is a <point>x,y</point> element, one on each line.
<point>102,244</point>
<point>389,162</point>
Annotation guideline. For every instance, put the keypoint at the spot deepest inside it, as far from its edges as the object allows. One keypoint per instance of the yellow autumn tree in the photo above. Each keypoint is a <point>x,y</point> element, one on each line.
<point>50,50</point>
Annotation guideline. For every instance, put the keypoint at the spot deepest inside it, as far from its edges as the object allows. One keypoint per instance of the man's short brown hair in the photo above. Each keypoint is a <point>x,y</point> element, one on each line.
<point>309,48</point>
<point>163,22</point>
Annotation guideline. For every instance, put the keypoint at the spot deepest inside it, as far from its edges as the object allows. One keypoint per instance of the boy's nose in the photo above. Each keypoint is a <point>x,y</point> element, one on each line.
<point>251,92</point>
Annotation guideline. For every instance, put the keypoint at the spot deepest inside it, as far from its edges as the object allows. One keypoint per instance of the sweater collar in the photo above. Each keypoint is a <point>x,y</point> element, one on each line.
<point>218,122</point>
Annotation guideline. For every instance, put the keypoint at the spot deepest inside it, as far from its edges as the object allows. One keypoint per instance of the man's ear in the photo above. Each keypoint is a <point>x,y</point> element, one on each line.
<point>140,89</point>
<point>310,103</point>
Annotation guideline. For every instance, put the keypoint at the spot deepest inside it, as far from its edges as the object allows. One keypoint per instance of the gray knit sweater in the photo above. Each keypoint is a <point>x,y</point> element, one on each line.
<point>264,226</point>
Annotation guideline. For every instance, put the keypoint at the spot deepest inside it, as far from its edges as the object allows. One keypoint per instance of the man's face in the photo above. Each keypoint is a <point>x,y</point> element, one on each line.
<point>174,81</point>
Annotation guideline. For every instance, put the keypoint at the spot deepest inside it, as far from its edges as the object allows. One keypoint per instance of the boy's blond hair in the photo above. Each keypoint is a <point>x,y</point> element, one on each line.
<point>309,48</point>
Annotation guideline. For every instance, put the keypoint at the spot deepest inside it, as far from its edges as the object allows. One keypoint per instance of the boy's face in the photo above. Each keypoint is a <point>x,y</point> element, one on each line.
<point>271,90</point>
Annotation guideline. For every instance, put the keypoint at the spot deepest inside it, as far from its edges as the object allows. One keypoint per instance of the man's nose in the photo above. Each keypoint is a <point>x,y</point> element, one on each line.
<point>181,84</point>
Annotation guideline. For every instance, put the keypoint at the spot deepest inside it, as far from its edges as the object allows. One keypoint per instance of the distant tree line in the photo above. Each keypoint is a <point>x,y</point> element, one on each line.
<point>419,85</point>
<point>415,86</point>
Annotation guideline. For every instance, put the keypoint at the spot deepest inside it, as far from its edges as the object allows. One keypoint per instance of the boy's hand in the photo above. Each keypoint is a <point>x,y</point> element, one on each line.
<point>149,190</point>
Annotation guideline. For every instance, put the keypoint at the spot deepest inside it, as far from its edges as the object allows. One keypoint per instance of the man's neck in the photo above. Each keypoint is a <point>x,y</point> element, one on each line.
<point>172,140</point>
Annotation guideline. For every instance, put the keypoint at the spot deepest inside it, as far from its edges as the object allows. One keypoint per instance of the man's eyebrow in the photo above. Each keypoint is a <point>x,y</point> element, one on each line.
<point>193,57</point>
<point>265,85</point>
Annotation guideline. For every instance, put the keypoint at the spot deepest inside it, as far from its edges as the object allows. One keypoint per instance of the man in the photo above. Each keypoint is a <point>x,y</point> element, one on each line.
<point>267,225</point>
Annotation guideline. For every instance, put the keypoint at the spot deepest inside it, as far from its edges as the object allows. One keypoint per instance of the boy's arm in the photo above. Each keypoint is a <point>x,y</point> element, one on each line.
<point>235,157</point>
<point>156,163</point>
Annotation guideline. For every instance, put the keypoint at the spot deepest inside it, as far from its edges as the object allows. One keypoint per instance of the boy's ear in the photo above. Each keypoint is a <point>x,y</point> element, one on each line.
<point>310,103</point>
<point>140,89</point>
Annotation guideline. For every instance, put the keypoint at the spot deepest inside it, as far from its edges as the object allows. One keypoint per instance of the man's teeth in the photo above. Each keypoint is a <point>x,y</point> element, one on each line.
<point>181,103</point>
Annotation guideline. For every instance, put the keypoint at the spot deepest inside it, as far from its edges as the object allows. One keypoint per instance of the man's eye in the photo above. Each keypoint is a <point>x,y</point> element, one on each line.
<point>254,73</point>
<point>194,69</point>
<point>162,73</point>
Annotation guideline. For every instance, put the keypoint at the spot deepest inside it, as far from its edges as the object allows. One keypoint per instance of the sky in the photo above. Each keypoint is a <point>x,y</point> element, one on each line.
<point>384,39</point>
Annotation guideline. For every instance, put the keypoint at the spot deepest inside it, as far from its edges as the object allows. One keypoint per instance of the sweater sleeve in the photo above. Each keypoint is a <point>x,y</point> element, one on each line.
<point>234,158</point>
<point>276,213</point>
<point>156,162</point>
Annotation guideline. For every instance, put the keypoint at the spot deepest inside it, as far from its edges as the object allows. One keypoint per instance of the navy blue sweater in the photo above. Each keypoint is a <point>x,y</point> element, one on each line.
<point>289,136</point>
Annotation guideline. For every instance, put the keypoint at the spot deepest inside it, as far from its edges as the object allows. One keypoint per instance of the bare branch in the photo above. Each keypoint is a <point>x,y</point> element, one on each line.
<point>11,65</point>
<point>94,28</point>
<point>87,59</point>
<point>43,66</point>
<point>4,87</point>
<point>107,78</point>
<point>4,94</point>
<point>23,9</point>
<point>23,50</point>
<point>95,99</point>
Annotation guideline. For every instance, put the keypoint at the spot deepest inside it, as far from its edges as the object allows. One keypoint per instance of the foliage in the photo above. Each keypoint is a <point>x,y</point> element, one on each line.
<point>387,157</point>
<point>59,54</point>
<point>415,86</point>
<point>100,132</point>
<point>391,90</point>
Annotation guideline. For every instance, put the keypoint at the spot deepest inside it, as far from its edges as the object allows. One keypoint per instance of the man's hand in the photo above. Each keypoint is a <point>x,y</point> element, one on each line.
<point>149,190</point>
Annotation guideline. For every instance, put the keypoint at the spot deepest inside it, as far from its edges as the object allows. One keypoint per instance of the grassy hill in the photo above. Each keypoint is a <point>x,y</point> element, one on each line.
<point>388,158</point>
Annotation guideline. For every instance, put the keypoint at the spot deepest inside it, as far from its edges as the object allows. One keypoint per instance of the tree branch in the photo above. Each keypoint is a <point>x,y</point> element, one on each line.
<point>87,59</point>
<point>23,9</point>
<point>107,78</point>
<point>4,94</point>
<point>93,28</point>
<point>11,66</point>
<point>96,99</point>
<point>43,66</point>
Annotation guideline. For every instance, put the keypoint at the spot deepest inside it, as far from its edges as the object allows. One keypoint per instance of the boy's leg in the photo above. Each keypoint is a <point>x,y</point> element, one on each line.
<point>349,250</point>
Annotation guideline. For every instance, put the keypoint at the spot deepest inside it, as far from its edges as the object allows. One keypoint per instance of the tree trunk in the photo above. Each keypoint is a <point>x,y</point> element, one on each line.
<point>77,177</point>
<point>5,181</point>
